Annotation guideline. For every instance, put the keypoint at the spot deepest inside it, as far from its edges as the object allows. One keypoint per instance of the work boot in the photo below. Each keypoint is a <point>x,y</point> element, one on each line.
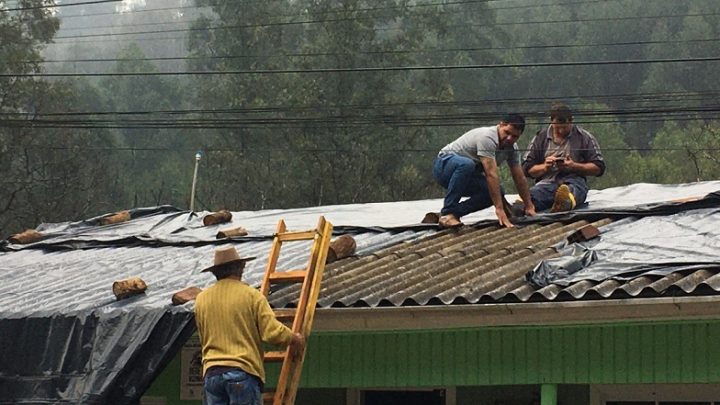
<point>564,199</point>
<point>431,218</point>
<point>449,221</point>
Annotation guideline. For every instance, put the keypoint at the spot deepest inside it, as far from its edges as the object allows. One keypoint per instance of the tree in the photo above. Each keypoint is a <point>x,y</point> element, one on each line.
<point>23,31</point>
<point>150,171</point>
<point>338,136</point>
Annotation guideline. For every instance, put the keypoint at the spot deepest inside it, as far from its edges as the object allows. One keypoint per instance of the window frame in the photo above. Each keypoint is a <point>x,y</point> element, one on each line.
<point>600,394</point>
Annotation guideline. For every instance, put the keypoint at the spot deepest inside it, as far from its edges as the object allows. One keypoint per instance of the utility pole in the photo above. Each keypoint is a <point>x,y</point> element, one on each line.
<point>198,155</point>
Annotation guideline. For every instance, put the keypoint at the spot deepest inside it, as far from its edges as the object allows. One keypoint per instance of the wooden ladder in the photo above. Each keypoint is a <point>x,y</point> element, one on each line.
<point>302,316</point>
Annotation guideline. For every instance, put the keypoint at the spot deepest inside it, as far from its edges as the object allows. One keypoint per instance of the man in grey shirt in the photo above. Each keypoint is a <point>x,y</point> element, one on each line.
<point>467,167</point>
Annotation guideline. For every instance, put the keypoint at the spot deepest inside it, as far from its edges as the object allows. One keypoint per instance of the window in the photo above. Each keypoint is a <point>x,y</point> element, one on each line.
<point>429,397</point>
<point>655,394</point>
<point>402,396</point>
<point>661,403</point>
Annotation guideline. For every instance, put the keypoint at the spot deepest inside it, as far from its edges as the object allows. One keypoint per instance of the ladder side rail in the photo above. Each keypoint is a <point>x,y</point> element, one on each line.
<point>306,288</point>
<point>294,382</point>
<point>272,258</point>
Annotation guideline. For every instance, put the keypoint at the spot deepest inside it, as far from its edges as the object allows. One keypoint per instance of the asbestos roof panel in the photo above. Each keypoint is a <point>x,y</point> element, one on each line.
<point>38,282</point>
<point>405,266</point>
<point>485,265</point>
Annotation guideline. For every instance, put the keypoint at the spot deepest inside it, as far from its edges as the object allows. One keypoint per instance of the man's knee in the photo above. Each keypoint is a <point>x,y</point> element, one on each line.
<point>542,196</point>
<point>579,191</point>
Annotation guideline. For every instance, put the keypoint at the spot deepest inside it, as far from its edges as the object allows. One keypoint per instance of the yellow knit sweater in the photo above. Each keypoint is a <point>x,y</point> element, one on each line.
<point>232,320</point>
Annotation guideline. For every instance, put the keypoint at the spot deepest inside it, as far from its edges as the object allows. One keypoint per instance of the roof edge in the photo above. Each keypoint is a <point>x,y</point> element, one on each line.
<point>521,314</point>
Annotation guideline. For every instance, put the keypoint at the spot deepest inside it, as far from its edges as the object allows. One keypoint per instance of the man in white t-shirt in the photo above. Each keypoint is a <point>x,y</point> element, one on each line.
<point>468,166</point>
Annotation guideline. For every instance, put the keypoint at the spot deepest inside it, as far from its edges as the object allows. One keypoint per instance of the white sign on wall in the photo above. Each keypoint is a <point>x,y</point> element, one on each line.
<point>191,381</point>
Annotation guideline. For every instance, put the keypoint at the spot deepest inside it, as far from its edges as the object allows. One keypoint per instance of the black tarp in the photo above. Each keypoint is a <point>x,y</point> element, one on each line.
<point>90,357</point>
<point>170,226</point>
<point>653,245</point>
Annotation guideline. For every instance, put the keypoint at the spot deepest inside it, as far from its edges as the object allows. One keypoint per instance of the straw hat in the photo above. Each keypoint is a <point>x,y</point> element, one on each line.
<point>226,255</point>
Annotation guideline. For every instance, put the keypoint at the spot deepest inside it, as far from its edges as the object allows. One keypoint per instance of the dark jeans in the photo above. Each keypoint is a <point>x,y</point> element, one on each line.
<point>460,177</point>
<point>543,194</point>
<point>232,387</point>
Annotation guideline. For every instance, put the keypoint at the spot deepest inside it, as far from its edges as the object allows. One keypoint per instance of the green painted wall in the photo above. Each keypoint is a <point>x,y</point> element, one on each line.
<point>167,385</point>
<point>674,352</point>
<point>626,353</point>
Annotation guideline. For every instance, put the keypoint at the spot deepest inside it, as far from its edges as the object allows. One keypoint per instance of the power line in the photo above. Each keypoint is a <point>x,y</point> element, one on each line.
<point>336,20</point>
<point>183,38</point>
<point>343,11</point>
<point>362,9</point>
<point>506,103</point>
<point>376,69</point>
<point>83,3</point>
<point>317,54</point>
<point>316,150</point>
<point>328,122</point>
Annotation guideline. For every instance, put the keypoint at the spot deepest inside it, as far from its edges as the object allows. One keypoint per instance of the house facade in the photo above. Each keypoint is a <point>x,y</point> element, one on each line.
<point>416,316</point>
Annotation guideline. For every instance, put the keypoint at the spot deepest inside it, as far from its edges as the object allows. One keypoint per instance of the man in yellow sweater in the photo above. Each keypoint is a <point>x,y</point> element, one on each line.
<point>233,319</point>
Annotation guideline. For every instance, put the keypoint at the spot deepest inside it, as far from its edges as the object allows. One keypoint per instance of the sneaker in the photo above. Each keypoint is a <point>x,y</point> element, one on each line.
<point>431,218</point>
<point>564,199</point>
<point>449,221</point>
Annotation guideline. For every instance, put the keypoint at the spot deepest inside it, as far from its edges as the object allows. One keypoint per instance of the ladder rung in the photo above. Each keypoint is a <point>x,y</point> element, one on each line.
<point>302,235</point>
<point>285,315</point>
<point>290,276</point>
<point>274,357</point>
<point>268,397</point>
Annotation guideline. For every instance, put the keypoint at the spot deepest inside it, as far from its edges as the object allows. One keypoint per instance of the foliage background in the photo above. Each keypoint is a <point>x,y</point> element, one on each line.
<point>331,129</point>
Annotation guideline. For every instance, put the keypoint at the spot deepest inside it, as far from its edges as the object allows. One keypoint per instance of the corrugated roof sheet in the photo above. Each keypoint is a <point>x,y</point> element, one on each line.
<point>481,265</point>
<point>37,282</point>
<point>400,267</point>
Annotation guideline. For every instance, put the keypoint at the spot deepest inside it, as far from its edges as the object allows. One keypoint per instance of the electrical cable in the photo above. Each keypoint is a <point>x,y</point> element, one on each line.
<point>349,19</point>
<point>315,150</point>
<point>83,3</point>
<point>423,51</point>
<point>375,69</point>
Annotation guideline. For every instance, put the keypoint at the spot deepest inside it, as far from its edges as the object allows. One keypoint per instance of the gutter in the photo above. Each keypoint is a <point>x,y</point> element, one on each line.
<point>519,314</point>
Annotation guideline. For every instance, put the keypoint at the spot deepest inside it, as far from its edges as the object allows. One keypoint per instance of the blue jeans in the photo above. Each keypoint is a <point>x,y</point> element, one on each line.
<point>543,194</point>
<point>233,387</point>
<point>461,178</point>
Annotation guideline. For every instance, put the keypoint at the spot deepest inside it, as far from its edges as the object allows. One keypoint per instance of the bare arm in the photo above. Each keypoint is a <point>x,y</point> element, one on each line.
<point>541,169</point>
<point>493,182</point>
<point>522,187</point>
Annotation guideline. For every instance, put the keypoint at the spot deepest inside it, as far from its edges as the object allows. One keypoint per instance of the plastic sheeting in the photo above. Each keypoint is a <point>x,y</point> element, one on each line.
<point>90,357</point>
<point>167,225</point>
<point>654,245</point>
<point>65,339</point>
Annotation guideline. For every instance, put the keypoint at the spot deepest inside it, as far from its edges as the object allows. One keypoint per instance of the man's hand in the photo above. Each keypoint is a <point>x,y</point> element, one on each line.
<point>522,188</point>
<point>583,169</point>
<point>541,169</point>
<point>566,165</point>
<point>297,343</point>
<point>502,218</point>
